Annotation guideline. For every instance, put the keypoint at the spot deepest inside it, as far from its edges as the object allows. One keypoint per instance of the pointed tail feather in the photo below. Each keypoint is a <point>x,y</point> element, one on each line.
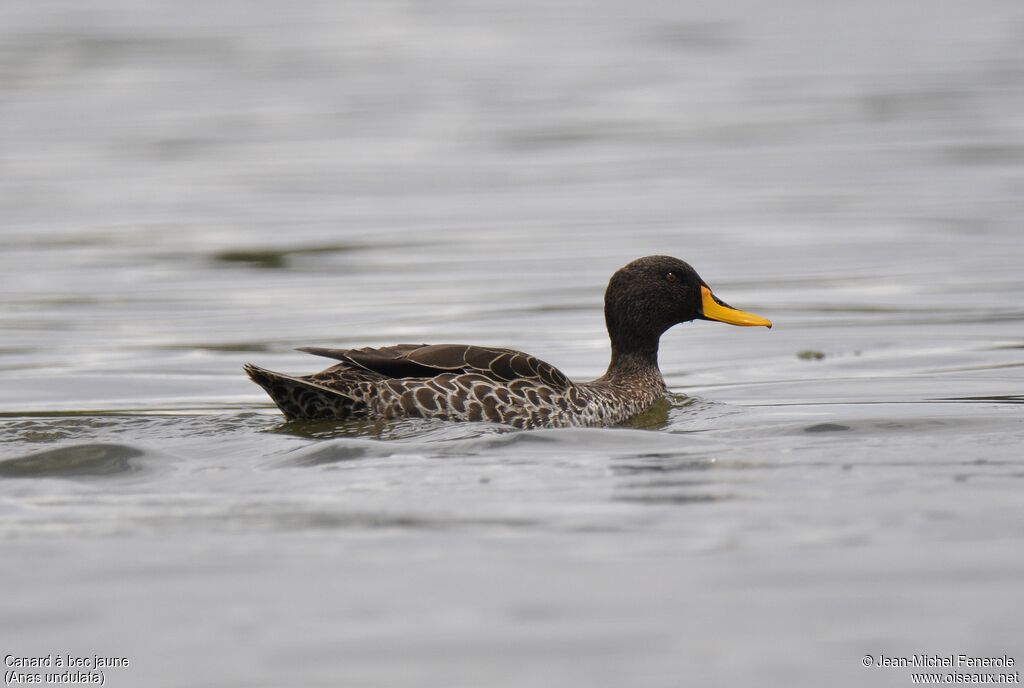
<point>299,398</point>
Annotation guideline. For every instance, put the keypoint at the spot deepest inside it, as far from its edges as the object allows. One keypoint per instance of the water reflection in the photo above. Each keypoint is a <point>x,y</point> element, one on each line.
<point>77,461</point>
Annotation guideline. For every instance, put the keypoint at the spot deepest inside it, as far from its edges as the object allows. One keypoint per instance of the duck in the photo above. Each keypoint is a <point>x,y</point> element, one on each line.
<point>462,382</point>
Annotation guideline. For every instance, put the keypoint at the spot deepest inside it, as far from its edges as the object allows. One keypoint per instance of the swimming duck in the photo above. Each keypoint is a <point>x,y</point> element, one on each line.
<point>482,383</point>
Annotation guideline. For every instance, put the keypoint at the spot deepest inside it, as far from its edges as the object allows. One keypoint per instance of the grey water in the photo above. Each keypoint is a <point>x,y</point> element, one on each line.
<point>189,186</point>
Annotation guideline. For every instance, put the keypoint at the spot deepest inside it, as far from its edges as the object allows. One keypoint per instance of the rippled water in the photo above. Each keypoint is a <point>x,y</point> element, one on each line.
<point>190,186</point>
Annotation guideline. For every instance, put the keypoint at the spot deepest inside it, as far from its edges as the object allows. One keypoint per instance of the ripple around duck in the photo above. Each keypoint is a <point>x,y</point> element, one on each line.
<point>334,453</point>
<point>76,461</point>
<point>553,442</point>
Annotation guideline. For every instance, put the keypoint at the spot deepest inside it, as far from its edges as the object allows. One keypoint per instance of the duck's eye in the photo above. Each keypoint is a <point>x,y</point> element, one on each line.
<point>671,277</point>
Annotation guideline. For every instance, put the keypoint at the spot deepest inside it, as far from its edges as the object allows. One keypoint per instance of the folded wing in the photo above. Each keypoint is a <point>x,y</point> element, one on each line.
<point>429,360</point>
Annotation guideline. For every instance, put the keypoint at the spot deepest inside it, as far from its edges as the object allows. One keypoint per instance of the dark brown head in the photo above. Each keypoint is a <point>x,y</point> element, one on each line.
<point>648,296</point>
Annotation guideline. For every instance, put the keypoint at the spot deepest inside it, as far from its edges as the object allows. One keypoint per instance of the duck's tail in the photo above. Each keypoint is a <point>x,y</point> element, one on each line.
<point>301,398</point>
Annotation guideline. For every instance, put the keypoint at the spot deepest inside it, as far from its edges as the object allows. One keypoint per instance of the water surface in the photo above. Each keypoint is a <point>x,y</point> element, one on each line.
<point>191,186</point>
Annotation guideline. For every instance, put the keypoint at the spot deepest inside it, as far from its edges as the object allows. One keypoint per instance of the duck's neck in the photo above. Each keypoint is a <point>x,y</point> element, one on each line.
<point>634,362</point>
<point>634,338</point>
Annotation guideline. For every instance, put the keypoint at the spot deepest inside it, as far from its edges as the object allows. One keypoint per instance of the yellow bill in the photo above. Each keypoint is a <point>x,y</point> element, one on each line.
<point>713,309</point>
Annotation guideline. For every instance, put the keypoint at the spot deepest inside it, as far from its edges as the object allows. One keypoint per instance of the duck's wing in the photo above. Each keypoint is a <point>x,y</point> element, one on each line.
<point>429,360</point>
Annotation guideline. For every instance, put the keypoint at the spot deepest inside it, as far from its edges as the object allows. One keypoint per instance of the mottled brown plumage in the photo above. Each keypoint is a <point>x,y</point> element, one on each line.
<point>478,383</point>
